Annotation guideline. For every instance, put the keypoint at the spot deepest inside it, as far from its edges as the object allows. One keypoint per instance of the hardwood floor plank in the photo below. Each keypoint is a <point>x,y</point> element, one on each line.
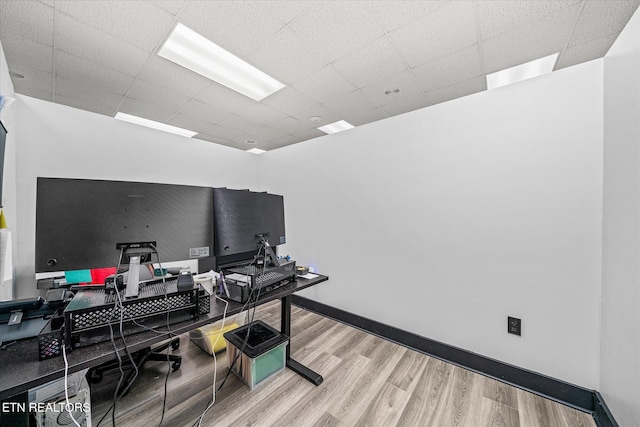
<point>368,381</point>
<point>429,397</point>
<point>496,414</point>
<point>384,356</point>
<point>385,408</point>
<point>500,393</point>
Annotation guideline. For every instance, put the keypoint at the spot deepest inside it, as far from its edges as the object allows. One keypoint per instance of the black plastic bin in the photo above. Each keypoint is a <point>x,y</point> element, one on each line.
<point>263,355</point>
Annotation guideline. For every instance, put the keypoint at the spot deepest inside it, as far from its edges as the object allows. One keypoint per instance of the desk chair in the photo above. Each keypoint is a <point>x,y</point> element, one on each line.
<point>139,357</point>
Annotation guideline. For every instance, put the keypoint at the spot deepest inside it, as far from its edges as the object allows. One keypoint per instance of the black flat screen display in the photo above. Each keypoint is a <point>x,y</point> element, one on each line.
<point>240,216</point>
<point>79,222</point>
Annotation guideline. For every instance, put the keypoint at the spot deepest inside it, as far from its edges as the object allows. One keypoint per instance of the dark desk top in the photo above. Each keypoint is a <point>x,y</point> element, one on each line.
<point>20,368</point>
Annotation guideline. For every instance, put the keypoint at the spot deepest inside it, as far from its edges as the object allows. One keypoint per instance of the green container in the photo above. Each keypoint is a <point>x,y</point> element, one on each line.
<point>263,354</point>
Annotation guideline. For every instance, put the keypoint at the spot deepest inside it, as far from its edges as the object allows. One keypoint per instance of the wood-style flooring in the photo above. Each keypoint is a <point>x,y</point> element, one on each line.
<point>368,381</point>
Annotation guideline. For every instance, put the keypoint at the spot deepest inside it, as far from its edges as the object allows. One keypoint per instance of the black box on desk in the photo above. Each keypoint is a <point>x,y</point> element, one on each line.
<point>237,291</point>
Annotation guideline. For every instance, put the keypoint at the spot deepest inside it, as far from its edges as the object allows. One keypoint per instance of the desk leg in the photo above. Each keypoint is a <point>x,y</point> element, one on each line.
<point>285,328</point>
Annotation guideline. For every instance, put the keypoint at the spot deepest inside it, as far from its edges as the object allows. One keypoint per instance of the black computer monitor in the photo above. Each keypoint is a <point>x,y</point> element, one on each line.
<point>86,224</point>
<point>244,221</point>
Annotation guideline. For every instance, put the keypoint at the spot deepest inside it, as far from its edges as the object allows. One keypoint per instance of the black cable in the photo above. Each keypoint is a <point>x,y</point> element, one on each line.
<point>171,335</point>
<point>246,338</point>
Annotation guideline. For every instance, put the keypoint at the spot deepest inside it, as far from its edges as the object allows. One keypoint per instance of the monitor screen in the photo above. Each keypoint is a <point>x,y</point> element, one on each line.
<point>82,224</point>
<point>241,219</point>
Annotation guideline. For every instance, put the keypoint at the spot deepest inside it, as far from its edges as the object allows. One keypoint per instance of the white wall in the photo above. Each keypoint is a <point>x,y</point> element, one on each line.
<point>620,347</point>
<point>60,141</point>
<point>446,220</point>
<point>9,175</point>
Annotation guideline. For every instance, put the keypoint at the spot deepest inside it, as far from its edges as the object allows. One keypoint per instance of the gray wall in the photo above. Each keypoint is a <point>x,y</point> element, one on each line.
<point>446,220</point>
<point>620,345</point>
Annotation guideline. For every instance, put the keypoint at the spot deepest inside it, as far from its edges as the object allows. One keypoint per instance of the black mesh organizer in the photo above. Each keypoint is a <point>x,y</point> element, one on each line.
<point>88,316</point>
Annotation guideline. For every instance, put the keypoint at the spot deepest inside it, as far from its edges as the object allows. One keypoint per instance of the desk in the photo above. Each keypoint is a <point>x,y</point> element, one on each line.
<point>21,370</point>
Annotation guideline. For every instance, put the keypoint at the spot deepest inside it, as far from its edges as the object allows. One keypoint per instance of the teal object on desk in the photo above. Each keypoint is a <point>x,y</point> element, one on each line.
<point>78,276</point>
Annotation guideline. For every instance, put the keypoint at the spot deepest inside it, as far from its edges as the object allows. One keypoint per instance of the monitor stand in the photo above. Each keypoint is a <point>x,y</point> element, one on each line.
<point>133,277</point>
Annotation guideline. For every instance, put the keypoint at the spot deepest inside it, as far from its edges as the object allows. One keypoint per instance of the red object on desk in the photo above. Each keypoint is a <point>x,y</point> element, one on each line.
<point>99,274</point>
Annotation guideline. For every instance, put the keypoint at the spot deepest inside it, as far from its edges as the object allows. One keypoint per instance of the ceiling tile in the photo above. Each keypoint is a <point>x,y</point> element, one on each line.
<point>291,125</point>
<point>78,69</point>
<point>307,135</point>
<point>276,58</point>
<point>497,17</point>
<point>82,105</point>
<point>188,122</point>
<point>240,126</point>
<point>602,18</point>
<point>237,26</point>
<point>291,102</point>
<point>25,52</point>
<point>205,112</point>
<point>28,19</point>
<point>33,91</point>
<point>139,23</point>
<point>285,10</point>
<point>455,91</point>
<point>336,28</point>
<point>324,84</point>
<point>404,104</point>
<point>373,63</point>
<point>171,6</point>
<point>146,110</point>
<point>460,66</point>
<point>36,83</point>
<point>525,44</point>
<point>95,46</point>
<point>85,94</point>
<point>394,14</point>
<point>405,82</point>
<point>210,138</point>
<point>216,94</point>
<point>326,115</point>
<point>228,132</point>
<point>361,117</point>
<point>264,135</point>
<point>586,51</point>
<point>448,30</point>
<point>262,114</point>
<point>148,92</point>
<point>164,73</point>
<point>347,104</point>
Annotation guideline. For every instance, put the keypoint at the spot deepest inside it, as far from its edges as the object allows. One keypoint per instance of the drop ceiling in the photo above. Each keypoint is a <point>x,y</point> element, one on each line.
<point>359,61</point>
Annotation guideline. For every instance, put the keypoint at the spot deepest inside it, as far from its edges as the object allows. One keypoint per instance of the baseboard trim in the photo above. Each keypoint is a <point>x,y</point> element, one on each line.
<point>551,388</point>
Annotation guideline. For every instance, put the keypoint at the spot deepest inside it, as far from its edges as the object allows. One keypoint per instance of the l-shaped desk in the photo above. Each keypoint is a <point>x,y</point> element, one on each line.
<point>21,369</point>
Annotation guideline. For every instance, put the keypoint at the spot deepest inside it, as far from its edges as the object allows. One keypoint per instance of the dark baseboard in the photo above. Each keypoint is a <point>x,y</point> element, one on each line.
<point>551,388</point>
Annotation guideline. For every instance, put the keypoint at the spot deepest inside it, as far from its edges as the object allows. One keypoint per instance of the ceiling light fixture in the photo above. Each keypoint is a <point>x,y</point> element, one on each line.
<point>256,151</point>
<point>155,125</point>
<point>338,126</point>
<point>315,119</point>
<point>189,49</point>
<point>521,72</point>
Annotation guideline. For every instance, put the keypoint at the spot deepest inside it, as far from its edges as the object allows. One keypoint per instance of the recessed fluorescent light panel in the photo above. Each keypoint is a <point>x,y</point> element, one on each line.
<point>189,49</point>
<point>256,151</point>
<point>525,71</point>
<point>336,127</point>
<point>155,125</point>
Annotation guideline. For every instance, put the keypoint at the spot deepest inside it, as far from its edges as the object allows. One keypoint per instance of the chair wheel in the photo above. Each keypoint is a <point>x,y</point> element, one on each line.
<point>175,366</point>
<point>175,344</point>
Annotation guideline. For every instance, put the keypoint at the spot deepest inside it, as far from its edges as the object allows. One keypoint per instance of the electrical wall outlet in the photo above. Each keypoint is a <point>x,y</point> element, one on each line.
<point>514,326</point>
